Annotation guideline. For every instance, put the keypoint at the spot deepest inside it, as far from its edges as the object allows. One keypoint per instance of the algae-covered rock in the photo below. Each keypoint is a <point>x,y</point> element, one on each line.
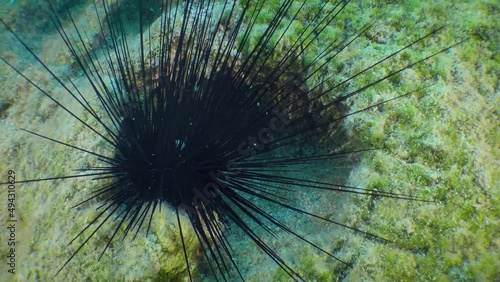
<point>442,145</point>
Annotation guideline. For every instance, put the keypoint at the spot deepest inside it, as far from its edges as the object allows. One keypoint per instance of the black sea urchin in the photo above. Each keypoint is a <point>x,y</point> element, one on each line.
<point>203,115</point>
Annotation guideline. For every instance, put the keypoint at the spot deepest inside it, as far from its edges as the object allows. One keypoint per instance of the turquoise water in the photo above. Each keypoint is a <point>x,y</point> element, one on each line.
<point>441,144</point>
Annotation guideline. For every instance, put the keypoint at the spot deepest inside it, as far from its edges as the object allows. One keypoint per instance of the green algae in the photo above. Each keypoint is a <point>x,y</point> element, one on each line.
<point>442,142</point>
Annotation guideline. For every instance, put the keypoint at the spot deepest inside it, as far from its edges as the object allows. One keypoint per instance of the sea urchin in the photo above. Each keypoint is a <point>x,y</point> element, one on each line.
<point>203,115</point>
